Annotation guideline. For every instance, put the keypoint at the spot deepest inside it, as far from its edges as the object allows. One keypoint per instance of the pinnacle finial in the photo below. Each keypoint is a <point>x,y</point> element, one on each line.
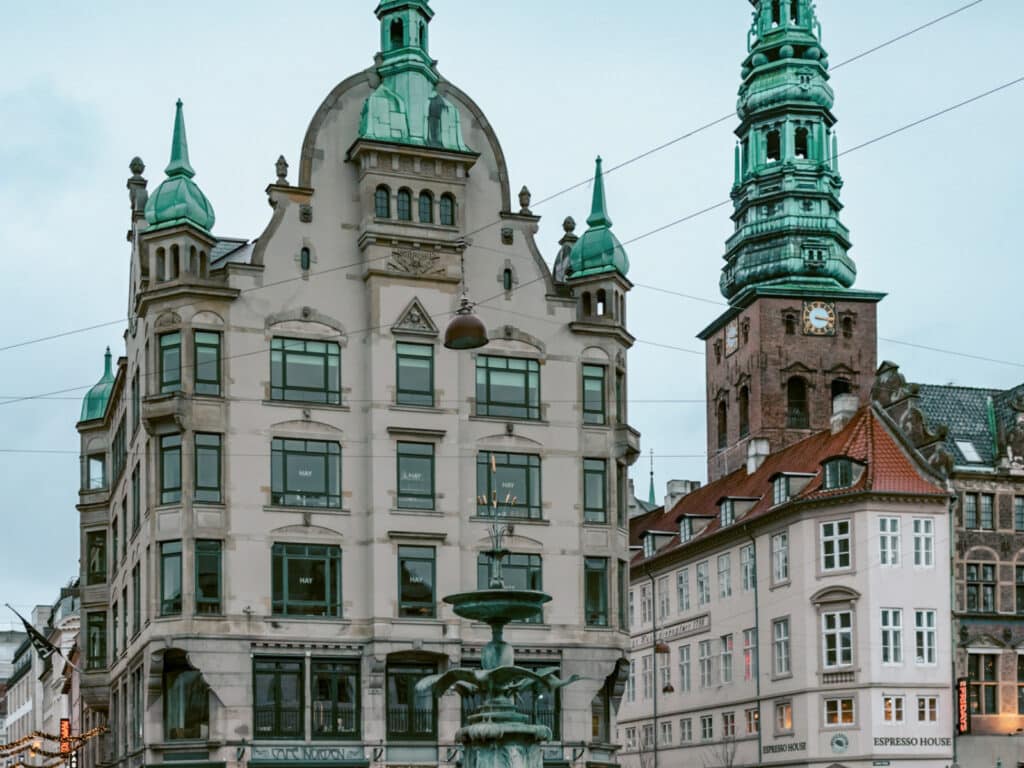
<point>179,165</point>
<point>599,208</point>
<point>650,493</point>
<point>107,367</point>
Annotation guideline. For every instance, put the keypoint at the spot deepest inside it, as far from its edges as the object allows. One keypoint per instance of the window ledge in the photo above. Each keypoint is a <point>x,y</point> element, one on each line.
<point>415,408</point>
<point>599,427</point>
<point>512,520</point>
<point>275,618</point>
<point>417,512</point>
<point>512,419</point>
<point>304,404</point>
<point>336,511</point>
<point>780,585</point>
<point>431,434</point>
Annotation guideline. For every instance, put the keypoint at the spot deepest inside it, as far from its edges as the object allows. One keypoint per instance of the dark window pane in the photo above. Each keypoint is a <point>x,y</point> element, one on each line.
<point>517,571</point>
<point>382,203</point>
<point>595,485</point>
<point>415,379</point>
<point>170,578</point>
<point>207,366</point>
<point>278,704</point>
<point>305,371</point>
<point>415,476</point>
<point>306,580</point>
<point>208,575</point>
<point>336,693</point>
<point>96,554</point>
<point>208,480</point>
<point>416,582</point>
<point>593,394</point>
<point>513,481</point>
<point>426,208</point>
<point>447,211</point>
<point>186,700</point>
<point>170,362</point>
<point>410,715</point>
<point>595,585</point>
<point>305,473</point>
<point>170,469</point>
<point>404,205</point>
<point>508,387</point>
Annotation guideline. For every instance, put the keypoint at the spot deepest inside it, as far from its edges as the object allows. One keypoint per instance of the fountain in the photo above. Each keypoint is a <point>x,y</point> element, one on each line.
<point>498,736</point>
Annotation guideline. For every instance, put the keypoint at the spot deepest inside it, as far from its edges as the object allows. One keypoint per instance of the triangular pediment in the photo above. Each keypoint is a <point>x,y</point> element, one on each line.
<point>984,642</point>
<point>415,320</point>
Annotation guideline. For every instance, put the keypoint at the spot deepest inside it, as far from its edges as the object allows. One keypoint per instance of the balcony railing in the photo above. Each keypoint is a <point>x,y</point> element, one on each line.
<point>330,719</point>
<point>414,723</point>
<point>278,722</point>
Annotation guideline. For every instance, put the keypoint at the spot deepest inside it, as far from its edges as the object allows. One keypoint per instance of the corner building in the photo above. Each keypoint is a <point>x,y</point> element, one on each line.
<point>281,475</point>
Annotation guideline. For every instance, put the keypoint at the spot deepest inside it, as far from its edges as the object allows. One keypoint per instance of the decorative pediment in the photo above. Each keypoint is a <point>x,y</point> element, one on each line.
<point>890,385</point>
<point>984,642</point>
<point>415,320</point>
<point>168,320</point>
<point>414,262</point>
<point>797,368</point>
<point>835,595</point>
<point>301,315</point>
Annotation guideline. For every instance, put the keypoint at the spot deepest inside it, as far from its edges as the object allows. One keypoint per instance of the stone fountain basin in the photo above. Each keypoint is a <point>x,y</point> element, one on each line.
<point>498,606</point>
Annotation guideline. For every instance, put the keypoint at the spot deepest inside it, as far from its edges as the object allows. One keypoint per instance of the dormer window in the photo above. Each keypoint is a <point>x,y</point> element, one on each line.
<point>838,473</point>
<point>649,546</point>
<point>780,490</point>
<point>727,513</point>
<point>685,530</point>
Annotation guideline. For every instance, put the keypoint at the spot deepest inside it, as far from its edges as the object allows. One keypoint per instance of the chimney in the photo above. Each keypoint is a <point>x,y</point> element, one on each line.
<point>677,489</point>
<point>758,450</point>
<point>843,408</point>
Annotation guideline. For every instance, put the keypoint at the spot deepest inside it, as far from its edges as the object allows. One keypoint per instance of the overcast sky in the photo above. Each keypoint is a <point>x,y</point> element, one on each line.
<point>933,211</point>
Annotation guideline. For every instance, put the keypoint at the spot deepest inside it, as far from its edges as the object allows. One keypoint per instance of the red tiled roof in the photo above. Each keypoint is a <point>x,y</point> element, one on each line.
<point>865,439</point>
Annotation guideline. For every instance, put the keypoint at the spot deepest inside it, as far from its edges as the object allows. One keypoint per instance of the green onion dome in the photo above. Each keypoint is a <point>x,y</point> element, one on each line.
<point>598,250</point>
<point>178,199</point>
<point>95,403</point>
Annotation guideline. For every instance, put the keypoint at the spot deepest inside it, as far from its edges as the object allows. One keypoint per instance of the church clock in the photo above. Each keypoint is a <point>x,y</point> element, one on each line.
<point>819,318</point>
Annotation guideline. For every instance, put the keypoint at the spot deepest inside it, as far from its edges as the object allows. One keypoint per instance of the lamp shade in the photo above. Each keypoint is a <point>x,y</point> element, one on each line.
<point>466,330</point>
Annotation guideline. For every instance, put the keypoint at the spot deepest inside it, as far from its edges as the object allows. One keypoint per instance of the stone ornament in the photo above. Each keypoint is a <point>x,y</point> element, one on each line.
<point>281,166</point>
<point>524,202</point>
<point>415,262</point>
<point>415,319</point>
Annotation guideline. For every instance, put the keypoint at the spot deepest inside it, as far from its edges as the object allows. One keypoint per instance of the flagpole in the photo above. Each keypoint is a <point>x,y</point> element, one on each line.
<point>36,637</point>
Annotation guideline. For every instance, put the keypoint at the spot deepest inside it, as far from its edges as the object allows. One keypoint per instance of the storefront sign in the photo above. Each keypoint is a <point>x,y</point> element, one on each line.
<point>963,707</point>
<point>793,746</point>
<point>695,626</point>
<point>301,754</point>
<point>913,741</point>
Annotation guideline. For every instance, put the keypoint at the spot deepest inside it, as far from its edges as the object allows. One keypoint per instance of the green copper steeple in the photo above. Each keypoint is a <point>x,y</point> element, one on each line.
<point>598,250</point>
<point>94,405</point>
<point>787,182</point>
<point>178,199</point>
<point>406,107</point>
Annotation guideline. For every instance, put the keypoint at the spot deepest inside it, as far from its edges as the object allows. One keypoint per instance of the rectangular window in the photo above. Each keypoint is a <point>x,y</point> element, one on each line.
<point>170,362</point>
<point>1020,684</point>
<point>114,539</point>
<point>631,684</point>
<point>784,716</point>
<point>780,642</point>
<point>115,621</point>
<point>648,738</point>
<point>170,469</point>
<point>704,663</point>
<point>305,473</point>
<point>646,605</point>
<point>703,584</point>
<point>924,542</point>
<point>632,610</point>
<point>621,490</point>
<point>892,636</point>
<point>630,739</point>
<point>924,636</point>
<point>507,387</point>
<point>278,705</point>
<point>685,730</point>
<point>1018,513</point>
<point>517,572</point>
<point>207,345</point>
<point>208,468</point>
<point>335,692</point>
<point>136,499</point>
<point>595,491</point>
<point>138,717</point>
<point>892,709</point>
<point>725,660</point>
<point>647,676</point>
<point>1019,589</point>
<point>124,626</point>
<point>753,720</point>
<point>595,598</point>
<point>416,574</point>
<point>414,375</point>
<point>666,732</point>
<point>981,587</point>
<point>624,620</point>
<point>724,575</point>
<point>96,478</point>
<point>837,636</point>
<point>415,476</point>
<point>594,395</point>
<point>664,598</point>
<point>96,640</point>
<point>749,654</point>
<point>306,580</point>
<point>780,557</point>
<point>136,403</point>
<point>685,681</point>
<point>927,709</point>
<point>889,540</point>
<point>620,397</point>
<point>983,673</point>
<point>780,490</point>
<point>170,578</point>
<point>136,599</point>
<point>683,590</point>
<point>835,545</point>
<point>305,371</point>
<point>986,516</point>
<point>118,452</point>
<point>839,712</point>
<point>96,557</point>
<point>707,728</point>
<point>747,568</point>
<point>510,479</point>
<point>208,576</point>
<point>970,504</point>
<point>728,725</point>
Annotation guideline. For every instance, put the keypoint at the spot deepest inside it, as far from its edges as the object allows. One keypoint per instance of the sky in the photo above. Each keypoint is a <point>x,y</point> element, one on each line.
<point>85,87</point>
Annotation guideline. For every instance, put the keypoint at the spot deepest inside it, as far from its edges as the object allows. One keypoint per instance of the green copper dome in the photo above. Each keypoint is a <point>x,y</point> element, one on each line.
<point>406,107</point>
<point>599,250</point>
<point>95,403</point>
<point>178,199</point>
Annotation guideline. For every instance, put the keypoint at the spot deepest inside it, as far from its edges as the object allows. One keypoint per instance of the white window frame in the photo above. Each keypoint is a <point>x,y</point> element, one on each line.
<point>631,686</point>
<point>664,598</point>
<point>705,663</point>
<point>725,575</point>
<point>747,568</point>
<point>894,710</point>
<point>780,557</point>
<point>703,583</point>
<point>683,590</point>
<point>929,712</point>
<point>726,648</point>
<point>781,658</point>
<point>646,605</point>
<point>892,636</point>
<point>839,633</point>
<point>727,513</point>
<point>782,707</point>
<point>831,533</point>
<point>925,621</point>
<point>685,677</point>
<point>685,730</point>
<point>630,738</point>
<point>752,717</point>
<point>665,733</point>
<point>780,490</point>
<point>749,654</point>
<point>707,728</point>
<point>924,542</point>
<point>838,701</point>
<point>647,675</point>
<point>889,542</point>
<point>728,725</point>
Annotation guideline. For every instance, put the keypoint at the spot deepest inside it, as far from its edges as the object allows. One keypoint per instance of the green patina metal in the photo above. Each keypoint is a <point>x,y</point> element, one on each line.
<point>598,250</point>
<point>787,182</point>
<point>178,199</point>
<point>406,107</point>
<point>94,405</point>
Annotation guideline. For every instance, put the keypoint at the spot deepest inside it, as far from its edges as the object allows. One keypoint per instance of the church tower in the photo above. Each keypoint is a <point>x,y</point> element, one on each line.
<point>796,333</point>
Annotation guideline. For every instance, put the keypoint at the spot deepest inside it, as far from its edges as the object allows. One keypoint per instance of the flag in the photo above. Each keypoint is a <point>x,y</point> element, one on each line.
<point>43,647</point>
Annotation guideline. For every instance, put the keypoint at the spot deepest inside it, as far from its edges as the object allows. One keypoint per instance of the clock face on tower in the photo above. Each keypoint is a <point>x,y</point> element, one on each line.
<point>819,318</point>
<point>732,337</point>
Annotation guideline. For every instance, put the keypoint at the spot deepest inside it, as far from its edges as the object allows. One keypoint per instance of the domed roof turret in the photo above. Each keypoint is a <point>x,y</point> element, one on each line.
<point>178,199</point>
<point>95,403</point>
<point>598,250</point>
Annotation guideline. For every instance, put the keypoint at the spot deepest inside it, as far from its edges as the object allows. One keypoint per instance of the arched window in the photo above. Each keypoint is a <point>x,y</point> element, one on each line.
<point>796,403</point>
<point>790,321</point>
<point>774,144</point>
<point>204,265</point>
<point>161,265</point>
<point>404,205</point>
<point>397,34</point>
<point>423,36</point>
<point>802,148</point>
<point>186,700</point>
<point>723,424</point>
<point>776,12</point>
<point>602,303</point>
<point>174,267</point>
<point>426,208</point>
<point>588,309</point>
<point>382,203</point>
<point>506,279</point>
<point>744,411</point>
<point>447,211</point>
<point>304,259</point>
<point>794,11</point>
<point>193,261</point>
<point>840,387</point>
<point>847,324</point>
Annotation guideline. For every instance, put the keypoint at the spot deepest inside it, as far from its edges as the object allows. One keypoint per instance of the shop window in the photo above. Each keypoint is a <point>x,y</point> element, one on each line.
<point>186,700</point>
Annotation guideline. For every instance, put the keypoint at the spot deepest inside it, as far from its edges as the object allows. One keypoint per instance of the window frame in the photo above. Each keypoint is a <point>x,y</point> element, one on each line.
<point>96,640</point>
<point>526,409</point>
<point>276,668</point>
<point>378,199</point>
<point>446,218</point>
<point>408,673</point>
<point>425,215</point>
<point>169,344</point>
<point>703,583</point>
<point>837,538</point>
<point>984,584</point>
<point>170,605</point>
<point>281,495</point>
<point>889,542</point>
<point>891,623</point>
<point>748,568</point>
<point>417,609</point>
<point>594,416</point>
<point>594,514</point>
<point>924,542</point>
<point>893,709</point>
<point>780,558</point>
<point>843,652</point>
<point>96,542</point>
<point>407,396</point>
<point>205,386</point>
<point>596,567</point>
<point>193,695</point>
<point>979,687</point>
<point>330,559</point>
<point>207,553</point>
<point>403,204</point>
<point>170,451</point>
<point>530,508</point>
<point>782,659</point>
<point>528,563</point>
<point>837,474</point>
<point>783,708</point>
<point>840,712</point>
<point>415,499</point>
<point>724,575</point>
<point>925,637</point>
<point>283,348</point>
<point>211,449</point>
<point>335,670</point>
